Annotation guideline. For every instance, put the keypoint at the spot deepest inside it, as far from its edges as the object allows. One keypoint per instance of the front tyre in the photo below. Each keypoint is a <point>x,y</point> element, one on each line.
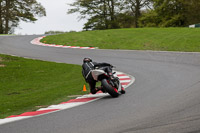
<point>110,89</point>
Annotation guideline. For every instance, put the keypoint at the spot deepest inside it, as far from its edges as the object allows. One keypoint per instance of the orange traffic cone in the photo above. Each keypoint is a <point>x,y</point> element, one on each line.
<point>84,88</point>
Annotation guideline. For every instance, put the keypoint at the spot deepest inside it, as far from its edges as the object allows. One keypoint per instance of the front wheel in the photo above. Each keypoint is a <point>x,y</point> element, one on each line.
<point>110,89</point>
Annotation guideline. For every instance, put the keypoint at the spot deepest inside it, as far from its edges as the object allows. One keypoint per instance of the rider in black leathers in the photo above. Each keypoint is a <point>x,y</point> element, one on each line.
<point>89,65</point>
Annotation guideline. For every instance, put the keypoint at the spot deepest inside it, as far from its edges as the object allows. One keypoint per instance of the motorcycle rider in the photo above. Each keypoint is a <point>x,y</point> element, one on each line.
<point>89,65</point>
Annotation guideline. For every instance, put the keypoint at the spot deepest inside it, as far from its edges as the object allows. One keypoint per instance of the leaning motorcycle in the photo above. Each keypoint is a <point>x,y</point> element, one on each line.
<point>110,83</point>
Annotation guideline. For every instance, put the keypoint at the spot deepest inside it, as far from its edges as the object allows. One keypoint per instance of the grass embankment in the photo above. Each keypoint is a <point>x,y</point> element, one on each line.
<point>161,39</point>
<point>26,85</point>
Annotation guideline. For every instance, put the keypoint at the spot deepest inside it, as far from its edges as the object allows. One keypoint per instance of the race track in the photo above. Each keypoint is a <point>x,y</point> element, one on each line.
<point>165,97</point>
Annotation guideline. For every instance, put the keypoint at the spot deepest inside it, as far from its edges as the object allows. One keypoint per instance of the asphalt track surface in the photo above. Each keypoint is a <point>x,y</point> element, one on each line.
<point>165,97</point>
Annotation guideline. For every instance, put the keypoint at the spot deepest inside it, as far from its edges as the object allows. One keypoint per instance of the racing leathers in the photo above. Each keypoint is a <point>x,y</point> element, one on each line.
<point>86,71</point>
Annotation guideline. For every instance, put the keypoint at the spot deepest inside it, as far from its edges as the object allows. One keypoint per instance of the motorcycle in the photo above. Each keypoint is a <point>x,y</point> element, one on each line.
<point>110,82</point>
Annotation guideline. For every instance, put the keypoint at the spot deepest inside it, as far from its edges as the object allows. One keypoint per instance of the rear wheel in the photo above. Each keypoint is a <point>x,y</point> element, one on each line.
<point>110,89</point>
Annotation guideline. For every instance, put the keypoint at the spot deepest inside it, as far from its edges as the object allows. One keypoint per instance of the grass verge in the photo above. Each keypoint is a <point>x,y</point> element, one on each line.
<point>26,84</point>
<point>161,39</point>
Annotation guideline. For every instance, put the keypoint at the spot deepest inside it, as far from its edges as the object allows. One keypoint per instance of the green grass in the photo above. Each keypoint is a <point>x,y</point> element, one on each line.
<point>161,39</point>
<point>26,85</point>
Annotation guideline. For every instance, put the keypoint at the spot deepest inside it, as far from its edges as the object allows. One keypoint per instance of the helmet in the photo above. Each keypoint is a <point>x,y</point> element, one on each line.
<point>87,59</point>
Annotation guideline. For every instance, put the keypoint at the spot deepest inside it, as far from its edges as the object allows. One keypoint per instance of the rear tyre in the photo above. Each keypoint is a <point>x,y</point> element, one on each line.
<point>110,89</point>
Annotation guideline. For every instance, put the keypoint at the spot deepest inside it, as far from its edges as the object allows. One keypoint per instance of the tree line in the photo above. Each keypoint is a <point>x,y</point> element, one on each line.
<point>12,11</point>
<point>107,14</point>
<point>111,14</point>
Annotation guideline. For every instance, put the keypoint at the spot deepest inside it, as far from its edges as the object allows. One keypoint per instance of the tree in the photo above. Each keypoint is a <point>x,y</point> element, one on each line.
<point>192,11</point>
<point>12,11</point>
<point>172,13</point>
<point>135,7</point>
<point>1,15</point>
<point>110,14</point>
<point>165,13</point>
<point>100,13</point>
<point>125,20</point>
<point>149,18</point>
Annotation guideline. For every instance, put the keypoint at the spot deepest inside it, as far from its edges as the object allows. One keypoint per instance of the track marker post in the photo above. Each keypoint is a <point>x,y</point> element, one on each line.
<point>84,88</point>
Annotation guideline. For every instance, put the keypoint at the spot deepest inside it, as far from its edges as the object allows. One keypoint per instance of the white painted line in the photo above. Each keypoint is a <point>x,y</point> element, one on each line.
<point>66,46</point>
<point>123,77</point>
<point>99,95</point>
<point>62,106</point>
<point>8,120</point>
<point>125,81</point>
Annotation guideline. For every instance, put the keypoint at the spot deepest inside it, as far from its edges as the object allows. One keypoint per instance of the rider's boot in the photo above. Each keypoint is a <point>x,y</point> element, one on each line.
<point>123,90</point>
<point>94,91</point>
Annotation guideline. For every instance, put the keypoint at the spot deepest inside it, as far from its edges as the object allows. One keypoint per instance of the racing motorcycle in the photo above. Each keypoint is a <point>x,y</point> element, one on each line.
<point>110,82</point>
